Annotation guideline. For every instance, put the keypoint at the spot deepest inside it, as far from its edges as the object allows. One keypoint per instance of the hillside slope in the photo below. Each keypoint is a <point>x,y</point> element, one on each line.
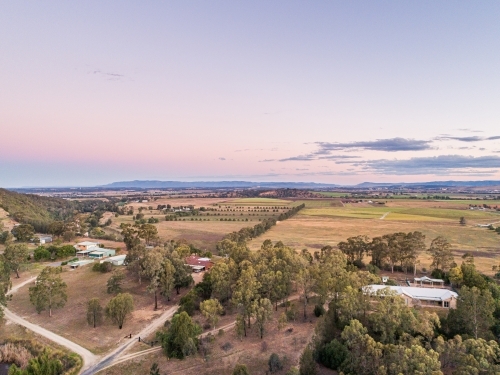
<point>34,209</point>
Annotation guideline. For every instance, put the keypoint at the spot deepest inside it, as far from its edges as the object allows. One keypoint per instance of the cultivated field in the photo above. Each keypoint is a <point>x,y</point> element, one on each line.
<point>208,227</point>
<point>327,222</point>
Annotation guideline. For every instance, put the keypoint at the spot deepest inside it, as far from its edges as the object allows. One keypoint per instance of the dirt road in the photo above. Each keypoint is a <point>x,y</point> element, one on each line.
<point>88,358</point>
<point>116,354</point>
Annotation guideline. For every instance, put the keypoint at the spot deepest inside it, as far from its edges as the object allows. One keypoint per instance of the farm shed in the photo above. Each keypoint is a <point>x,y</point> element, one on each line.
<point>117,260</point>
<point>44,239</point>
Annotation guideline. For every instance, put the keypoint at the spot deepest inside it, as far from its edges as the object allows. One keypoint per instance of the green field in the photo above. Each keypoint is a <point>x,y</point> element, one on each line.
<point>257,201</point>
<point>328,221</point>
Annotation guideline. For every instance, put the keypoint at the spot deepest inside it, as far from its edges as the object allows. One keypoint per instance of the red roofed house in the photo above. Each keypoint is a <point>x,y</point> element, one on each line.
<point>199,264</point>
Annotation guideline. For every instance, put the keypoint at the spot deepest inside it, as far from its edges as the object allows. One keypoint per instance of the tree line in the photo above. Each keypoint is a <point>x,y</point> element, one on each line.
<point>248,233</point>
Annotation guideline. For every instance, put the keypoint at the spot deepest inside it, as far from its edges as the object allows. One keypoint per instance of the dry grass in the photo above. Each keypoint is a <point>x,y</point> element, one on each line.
<point>248,351</point>
<point>70,321</point>
<point>323,225</point>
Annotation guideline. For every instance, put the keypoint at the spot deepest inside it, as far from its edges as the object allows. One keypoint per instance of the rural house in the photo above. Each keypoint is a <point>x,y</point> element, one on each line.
<point>199,264</point>
<point>413,296</point>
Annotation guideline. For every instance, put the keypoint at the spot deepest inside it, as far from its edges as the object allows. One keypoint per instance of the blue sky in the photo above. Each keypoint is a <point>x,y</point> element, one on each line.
<point>338,92</point>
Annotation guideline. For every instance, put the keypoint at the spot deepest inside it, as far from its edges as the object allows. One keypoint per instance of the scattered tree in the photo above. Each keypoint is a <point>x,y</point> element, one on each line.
<point>119,308</point>
<point>49,291</point>
<point>440,250</point>
<point>181,337</point>
<point>23,232</point>
<point>16,257</point>
<point>94,312</point>
<point>114,284</point>
<point>211,309</point>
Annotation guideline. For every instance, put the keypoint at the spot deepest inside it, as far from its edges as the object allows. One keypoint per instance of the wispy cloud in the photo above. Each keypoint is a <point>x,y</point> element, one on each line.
<point>300,158</point>
<point>222,159</point>
<point>108,76</point>
<point>389,145</point>
<point>437,164</point>
<point>467,139</point>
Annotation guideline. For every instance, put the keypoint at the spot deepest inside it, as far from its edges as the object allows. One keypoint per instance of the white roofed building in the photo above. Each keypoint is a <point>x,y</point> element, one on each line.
<point>415,296</point>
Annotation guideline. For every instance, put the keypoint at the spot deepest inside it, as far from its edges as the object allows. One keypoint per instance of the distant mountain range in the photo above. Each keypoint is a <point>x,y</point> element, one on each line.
<point>214,184</point>
<point>152,184</point>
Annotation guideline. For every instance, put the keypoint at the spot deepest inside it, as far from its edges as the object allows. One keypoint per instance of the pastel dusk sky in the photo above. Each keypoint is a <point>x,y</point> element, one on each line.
<point>340,92</point>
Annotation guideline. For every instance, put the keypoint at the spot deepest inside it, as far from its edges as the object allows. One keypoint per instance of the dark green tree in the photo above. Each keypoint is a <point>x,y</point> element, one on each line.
<point>49,291</point>
<point>94,312</point>
<point>181,337</point>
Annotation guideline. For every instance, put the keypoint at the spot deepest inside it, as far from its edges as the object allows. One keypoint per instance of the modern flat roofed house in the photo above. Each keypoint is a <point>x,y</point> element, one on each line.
<point>413,296</point>
<point>101,253</point>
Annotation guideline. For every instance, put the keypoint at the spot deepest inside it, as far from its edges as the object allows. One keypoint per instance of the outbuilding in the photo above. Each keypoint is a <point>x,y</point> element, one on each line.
<point>117,260</point>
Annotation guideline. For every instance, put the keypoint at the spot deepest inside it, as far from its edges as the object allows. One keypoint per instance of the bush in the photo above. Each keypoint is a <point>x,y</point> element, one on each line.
<point>333,354</point>
<point>274,363</point>
<point>319,310</point>
<point>291,314</point>
<point>373,269</point>
<point>41,253</point>
<point>227,346</point>
<point>391,282</point>
<point>102,267</point>
<point>438,274</point>
<point>359,263</point>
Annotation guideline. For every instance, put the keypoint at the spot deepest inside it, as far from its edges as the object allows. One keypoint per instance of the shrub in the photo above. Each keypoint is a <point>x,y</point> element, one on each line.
<point>438,274</point>
<point>274,363</point>
<point>227,346</point>
<point>102,267</point>
<point>291,314</point>
<point>319,310</point>
<point>391,282</point>
<point>333,354</point>
<point>373,269</point>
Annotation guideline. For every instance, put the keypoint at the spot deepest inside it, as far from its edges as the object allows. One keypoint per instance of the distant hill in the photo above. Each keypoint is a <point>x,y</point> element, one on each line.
<point>430,184</point>
<point>35,209</point>
<point>213,185</point>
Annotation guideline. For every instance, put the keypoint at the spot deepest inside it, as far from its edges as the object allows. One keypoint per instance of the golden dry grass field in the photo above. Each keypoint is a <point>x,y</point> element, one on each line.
<point>324,222</point>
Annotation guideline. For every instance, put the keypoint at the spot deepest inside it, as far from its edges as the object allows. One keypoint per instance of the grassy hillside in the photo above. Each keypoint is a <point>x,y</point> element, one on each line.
<point>34,209</point>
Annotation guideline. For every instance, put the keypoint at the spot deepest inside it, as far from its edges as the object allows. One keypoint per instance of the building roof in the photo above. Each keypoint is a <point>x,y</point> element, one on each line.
<point>87,243</point>
<point>428,279</point>
<point>194,260</point>
<point>117,257</point>
<point>428,294</point>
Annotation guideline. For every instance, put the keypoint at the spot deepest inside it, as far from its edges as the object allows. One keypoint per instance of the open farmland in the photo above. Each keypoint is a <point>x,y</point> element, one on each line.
<point>324,222</point>
<point>209,224</point>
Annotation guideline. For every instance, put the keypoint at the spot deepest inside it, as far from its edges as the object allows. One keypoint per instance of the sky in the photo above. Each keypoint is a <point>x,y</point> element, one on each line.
<point>336,92</point>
